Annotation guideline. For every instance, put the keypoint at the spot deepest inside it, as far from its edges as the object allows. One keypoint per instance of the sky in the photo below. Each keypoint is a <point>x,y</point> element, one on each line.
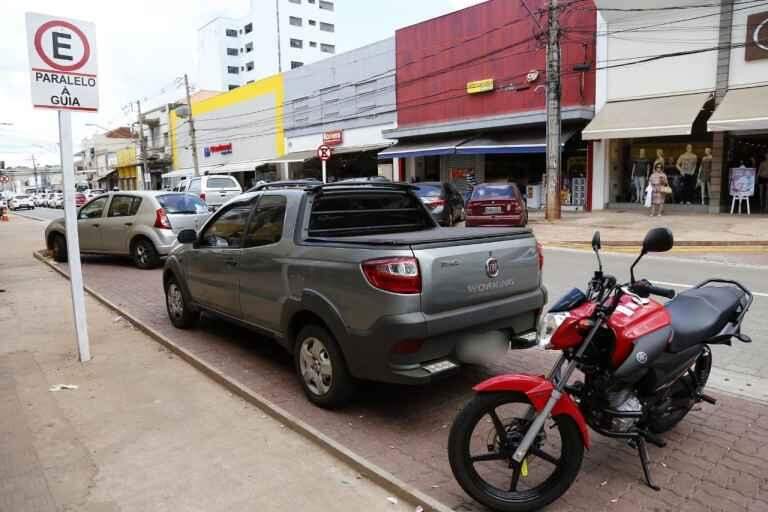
<point>142,47</point>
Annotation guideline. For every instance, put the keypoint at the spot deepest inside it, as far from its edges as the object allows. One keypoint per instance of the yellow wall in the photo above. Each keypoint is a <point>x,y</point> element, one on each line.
<point>270,85</point>
<point>126,157</point>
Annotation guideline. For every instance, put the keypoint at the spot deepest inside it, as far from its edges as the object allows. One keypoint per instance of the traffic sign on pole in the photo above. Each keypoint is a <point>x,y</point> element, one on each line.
<point>62,58</point>
<point>324,153</point>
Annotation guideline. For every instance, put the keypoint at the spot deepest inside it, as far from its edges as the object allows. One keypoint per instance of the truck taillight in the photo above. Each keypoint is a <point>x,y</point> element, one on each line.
<point>540,254</point>
<point>396,275</point>
<point>161,219</point>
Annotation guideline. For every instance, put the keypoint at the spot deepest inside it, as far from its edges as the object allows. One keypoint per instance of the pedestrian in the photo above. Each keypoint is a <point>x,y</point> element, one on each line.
<point>659,188</point>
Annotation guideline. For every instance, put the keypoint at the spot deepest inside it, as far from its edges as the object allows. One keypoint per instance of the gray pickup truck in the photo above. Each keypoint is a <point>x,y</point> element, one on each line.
<point>357,281</point>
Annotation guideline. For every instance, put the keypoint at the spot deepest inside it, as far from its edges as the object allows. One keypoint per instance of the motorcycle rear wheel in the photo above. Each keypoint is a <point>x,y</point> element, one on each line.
<point>512,499</point>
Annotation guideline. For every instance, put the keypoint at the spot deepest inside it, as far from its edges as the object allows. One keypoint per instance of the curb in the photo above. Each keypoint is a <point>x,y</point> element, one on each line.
<point>366,468</point>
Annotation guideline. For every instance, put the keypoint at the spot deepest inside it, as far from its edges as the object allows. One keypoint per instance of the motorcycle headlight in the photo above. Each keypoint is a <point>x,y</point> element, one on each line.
<point>548,326</point>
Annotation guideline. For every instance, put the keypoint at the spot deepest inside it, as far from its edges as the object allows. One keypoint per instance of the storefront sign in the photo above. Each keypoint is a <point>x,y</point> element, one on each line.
<point>220,149</point>
<point>757,37</point>
<point>742,182</point>
<point>334,138</point>
<point>480,86</point>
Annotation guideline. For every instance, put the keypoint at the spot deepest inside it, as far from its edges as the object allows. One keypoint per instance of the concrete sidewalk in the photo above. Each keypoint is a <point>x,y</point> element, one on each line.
<point>619,227</point>
<point>143,431</point>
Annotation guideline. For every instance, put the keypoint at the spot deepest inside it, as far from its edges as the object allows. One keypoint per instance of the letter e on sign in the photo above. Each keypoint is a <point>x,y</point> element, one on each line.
<point>63,64</point>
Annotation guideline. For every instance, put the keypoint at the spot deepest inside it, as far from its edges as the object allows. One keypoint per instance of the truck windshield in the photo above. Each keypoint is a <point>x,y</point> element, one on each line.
<point>350,213</point>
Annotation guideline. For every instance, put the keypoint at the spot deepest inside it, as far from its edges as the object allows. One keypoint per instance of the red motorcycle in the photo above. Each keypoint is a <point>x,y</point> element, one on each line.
<point>518,445</point>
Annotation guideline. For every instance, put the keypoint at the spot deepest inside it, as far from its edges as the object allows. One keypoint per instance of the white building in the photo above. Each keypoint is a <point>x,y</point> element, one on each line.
<point>275,36</point>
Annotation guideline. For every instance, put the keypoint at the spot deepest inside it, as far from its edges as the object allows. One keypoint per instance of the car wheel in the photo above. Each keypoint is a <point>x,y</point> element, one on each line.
<point>321,368</point>
<point>59,245</point>
<point>144,254</point>
<point>182,316</point>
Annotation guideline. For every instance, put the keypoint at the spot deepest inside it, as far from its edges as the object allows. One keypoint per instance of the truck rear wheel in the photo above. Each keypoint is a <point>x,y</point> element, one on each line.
<point>321,368</point>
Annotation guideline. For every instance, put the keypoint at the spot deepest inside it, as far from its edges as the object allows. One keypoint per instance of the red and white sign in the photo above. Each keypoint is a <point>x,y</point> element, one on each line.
<point>324,153</point>
<point>4,179</point>
<point>62,58</point>
<point>334,138</point>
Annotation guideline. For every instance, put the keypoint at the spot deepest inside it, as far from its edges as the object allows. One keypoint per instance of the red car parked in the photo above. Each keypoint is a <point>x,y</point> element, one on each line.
<point>80,199</point>
<point>496,205</point>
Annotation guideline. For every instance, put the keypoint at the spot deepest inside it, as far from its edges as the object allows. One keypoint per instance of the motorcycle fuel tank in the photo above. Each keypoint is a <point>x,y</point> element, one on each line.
<point>633,319</point>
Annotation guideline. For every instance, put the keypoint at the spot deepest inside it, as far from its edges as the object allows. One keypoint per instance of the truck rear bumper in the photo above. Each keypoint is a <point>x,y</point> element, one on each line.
<point>415,348</point>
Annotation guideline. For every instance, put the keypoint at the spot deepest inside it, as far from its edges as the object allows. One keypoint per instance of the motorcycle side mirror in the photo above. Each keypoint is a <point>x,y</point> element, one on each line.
<point>658,240</point>
<point>596,246</point>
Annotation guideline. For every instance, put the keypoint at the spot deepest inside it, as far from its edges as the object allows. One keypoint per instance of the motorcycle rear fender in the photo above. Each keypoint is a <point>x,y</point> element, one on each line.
<point>538,390</point>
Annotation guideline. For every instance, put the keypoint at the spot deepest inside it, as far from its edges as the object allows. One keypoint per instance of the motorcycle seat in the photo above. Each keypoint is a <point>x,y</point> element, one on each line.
<point>701,313</point>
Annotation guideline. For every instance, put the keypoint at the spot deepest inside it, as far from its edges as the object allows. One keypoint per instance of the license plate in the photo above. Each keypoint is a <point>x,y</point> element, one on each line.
<point>440,366</point>
<point>493,209</point>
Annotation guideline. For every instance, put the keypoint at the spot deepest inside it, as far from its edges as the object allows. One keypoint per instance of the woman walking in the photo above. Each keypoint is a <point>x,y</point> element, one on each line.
<point>659,186</point>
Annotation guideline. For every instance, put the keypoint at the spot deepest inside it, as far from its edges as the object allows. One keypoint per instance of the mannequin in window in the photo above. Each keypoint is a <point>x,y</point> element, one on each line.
<point>641,169</point>
<point>705,174</point>
<point>686,164</point>
<point>659,158</point>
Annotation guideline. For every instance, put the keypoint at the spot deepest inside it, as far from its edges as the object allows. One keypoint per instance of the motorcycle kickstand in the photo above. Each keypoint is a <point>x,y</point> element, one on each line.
<point>642,450</point>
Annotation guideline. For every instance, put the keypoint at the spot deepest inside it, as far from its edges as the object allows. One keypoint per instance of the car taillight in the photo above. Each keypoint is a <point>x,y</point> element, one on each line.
<point>434,203</point>
<point>202,196</point>
<point>161,219</point>
<point>514,207</point>
<point>396,275</point>
<point>540,253</point>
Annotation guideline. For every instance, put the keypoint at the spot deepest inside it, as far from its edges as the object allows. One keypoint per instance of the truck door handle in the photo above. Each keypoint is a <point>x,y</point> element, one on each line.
<point>96,225</point>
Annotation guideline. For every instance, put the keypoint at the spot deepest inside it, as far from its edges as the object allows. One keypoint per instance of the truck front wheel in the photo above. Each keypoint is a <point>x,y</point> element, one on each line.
<point>321,368</point>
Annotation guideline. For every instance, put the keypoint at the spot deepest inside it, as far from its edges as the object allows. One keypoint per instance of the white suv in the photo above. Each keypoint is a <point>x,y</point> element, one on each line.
<point>215,190</point>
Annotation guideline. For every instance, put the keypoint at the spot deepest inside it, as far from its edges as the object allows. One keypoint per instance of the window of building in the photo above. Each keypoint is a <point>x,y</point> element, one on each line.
<point>232,51</point>
<point>231,32</point>
<point>230,87</point>
<point>295,1</point>
<point>296,64</point>
<point>233,70</point>
<point>248,28</point>
<point>328,48</point>
<point>295,21</point>
<point>249,48</point>
<point>249,66</point>
<point>325,5</point>
<point>311,1</point>
<point>312,44</point>
<point>297,43</point>
<point>327,27</point>
<point>312,22</point>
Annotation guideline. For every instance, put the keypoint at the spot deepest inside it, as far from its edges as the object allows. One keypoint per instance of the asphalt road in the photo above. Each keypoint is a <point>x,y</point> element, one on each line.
<point>44,214</point>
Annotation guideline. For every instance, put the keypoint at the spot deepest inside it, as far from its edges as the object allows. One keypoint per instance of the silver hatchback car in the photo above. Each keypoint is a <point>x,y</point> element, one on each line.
<point>142,225</point>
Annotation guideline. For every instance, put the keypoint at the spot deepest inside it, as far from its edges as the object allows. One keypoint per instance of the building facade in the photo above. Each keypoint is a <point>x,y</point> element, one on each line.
<point>684,89</point>
<point>98,155</point>
<point>275,36</point>
<point>345,102</point>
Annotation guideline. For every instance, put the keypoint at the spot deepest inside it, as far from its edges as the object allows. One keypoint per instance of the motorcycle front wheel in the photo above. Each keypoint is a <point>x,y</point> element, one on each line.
<point>483,439</point>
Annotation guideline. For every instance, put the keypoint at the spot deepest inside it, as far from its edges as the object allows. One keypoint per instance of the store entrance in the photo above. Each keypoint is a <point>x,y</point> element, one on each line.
<point>747,170</point>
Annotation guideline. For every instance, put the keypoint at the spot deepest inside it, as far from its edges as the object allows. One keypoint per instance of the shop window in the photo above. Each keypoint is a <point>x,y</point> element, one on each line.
<point>327,27</point>
<point>231,32</point>
<point>326,6</point>
<point>232,52</point>
<point>295,21</point>
<point>233,70</point>
<point>328,48</point>
<point>248,28</point>
<point>297,43</point>
<point>296,64</point>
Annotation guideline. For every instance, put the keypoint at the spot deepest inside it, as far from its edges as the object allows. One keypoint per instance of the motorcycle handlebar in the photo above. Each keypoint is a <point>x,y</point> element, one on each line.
<point>644,287</point>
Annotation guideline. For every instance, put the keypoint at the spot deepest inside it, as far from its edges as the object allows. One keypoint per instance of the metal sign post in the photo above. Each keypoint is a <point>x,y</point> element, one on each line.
<point>62,58</point>
<point>324,153</point>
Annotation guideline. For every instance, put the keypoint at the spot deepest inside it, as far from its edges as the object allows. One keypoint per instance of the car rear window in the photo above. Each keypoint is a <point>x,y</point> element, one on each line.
<point>350,213</point>
<point>177,204</point>
<point>221,183</point>
<point>494,192</point>
<point>428,190</point>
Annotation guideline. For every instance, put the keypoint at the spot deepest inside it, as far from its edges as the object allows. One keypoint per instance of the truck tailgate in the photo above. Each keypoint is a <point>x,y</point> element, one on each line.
<point>476,271</point>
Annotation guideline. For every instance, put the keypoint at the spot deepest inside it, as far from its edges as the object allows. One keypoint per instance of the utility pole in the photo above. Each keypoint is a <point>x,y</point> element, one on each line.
<point>142,170</point>
<point>34,166</point>
<point>192,134</point>
<point>553,113</point>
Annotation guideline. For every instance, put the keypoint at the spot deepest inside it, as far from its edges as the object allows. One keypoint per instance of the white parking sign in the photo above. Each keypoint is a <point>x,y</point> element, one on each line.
<point>62,58</point>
